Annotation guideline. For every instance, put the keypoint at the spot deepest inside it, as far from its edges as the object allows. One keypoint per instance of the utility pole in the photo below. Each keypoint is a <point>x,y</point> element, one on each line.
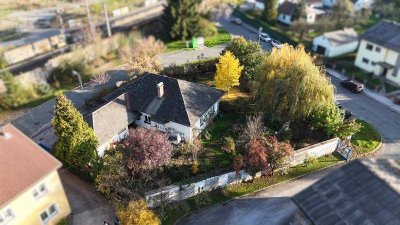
<point>79,77</point>
<point>107,19</point>
<point>89,18</point>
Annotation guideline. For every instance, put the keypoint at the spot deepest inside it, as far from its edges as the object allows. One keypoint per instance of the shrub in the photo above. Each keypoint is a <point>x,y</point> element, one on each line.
<point>195,167</point>
<point>238,163</point>
<point>147,149</point>
<point>62,75</point>
<point>137,213</point>
<point>42,88</point>
<point>229,145</point>
<point>201,200</point>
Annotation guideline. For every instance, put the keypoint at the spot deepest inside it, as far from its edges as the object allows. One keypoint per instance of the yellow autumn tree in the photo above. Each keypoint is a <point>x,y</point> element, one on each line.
<point>137,213</point>
<point>228,71</point>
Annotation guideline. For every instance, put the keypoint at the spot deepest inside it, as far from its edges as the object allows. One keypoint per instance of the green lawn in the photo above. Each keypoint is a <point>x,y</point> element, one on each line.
<point>221,38</point>
<point>367,139</point>
<point>175,211</point>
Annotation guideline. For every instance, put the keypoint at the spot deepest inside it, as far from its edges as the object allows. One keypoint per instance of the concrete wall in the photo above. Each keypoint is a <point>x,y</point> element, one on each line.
<point>175,193</point>
<point>39,75</point>
<point>27,209</point>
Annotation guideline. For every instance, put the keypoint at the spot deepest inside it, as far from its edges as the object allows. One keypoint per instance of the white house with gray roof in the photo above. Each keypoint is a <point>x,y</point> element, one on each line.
<point>336,43</point>
<point>178,107</point>
<point>379,51</point>
<point>357,4</point>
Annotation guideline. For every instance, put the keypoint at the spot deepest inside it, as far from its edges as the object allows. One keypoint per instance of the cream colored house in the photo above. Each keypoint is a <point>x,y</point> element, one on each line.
<point>31,191</point>
<point>379,51</point>
<point>336,43</point>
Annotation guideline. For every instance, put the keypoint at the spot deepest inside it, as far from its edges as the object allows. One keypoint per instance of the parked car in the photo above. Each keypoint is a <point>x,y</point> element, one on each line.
<point>265,37</point>
<point>346,112</point>
<point>237,21</point>
<point>352,86</point>
<point>276,44</point>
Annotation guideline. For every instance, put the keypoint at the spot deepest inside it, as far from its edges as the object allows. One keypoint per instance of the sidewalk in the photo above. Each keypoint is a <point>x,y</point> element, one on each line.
<point>371,94</point>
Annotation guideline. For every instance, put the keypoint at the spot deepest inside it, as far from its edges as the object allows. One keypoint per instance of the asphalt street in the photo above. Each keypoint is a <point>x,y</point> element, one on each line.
<point>269,206</point>
<point>386,121</point>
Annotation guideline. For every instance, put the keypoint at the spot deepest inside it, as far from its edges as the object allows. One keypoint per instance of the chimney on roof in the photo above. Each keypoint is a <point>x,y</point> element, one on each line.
<point>160,90</point>
<point>3,133</point>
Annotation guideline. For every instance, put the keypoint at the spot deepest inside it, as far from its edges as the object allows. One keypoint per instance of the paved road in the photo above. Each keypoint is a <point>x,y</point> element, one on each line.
<point>270,206</point>
<point>88,206</point>
<point>243,30</point>
<point>386,121</point>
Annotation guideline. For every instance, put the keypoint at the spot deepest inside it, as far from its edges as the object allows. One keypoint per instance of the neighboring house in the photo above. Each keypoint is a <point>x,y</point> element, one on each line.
<point>379,51</point>
<point>286,11</point>
<point>31,191</point>
<point>357,4</point>
<point>313,14</point>
<point>259,4</point>
<point>336,43</point>
<point>178,107</point>
<point>364,191</point>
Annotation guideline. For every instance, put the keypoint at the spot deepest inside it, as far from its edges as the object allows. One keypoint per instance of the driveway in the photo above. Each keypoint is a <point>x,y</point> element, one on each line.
<point>87,205</point>
<point>270,206</point>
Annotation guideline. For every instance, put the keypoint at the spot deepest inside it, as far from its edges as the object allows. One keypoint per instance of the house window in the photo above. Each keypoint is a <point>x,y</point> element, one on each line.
<point>50,212</point>
<point>6,217</point>
<point>369,47</point>
<point>373,63</point>
<point>364,60</point>
<point>377,49</point>
<point>39,191</point>
<point>147,119</point>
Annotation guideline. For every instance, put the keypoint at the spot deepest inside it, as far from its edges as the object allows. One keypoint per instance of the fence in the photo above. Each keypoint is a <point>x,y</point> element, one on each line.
<point>173,193</point>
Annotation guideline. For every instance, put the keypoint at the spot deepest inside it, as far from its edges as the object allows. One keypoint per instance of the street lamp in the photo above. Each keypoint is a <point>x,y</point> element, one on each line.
<point>259,34</point>
<point>79,77</point>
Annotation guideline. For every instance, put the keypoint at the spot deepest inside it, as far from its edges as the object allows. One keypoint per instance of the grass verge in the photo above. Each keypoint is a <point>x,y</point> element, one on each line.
<point>367,139</point>
<point>177,210</point>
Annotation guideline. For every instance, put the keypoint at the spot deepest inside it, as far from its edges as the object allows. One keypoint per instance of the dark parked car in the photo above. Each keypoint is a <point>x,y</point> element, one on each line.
<point>346,112</point>
<point>352,86</point>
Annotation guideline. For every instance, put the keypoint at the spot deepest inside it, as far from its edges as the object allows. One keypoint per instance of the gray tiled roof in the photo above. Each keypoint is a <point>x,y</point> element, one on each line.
<point>362,192</point>
<point>340,37</point>
<point>385,33</point>
<point>287,8</point>
<point>184,102</point>
<point>110,119</point>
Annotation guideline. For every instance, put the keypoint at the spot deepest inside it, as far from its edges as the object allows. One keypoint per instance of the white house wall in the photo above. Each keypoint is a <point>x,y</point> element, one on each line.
<point>286,19</point>
<point>332,51</point>
<point>357,6</point>
<point>198,127</point>
<point>172,127</point>
<point>116,138</point>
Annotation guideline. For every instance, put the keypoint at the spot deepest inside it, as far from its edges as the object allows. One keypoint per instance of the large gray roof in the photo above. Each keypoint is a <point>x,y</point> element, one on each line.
<point>287,8</point>
<point>340,37</point>
<point>110,119</point>
<point>184,102</point>
<point>362,192</point>
<point>385,33</point>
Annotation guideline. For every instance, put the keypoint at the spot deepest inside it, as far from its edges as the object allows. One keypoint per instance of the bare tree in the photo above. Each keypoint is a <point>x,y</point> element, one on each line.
<point>100,79</point>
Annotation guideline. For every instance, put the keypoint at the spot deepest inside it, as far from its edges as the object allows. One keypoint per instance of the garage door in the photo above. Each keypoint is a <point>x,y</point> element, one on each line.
<point>321,50</point>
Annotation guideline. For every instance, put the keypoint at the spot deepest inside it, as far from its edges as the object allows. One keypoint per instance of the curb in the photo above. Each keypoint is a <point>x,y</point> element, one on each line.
<point>254,192</point>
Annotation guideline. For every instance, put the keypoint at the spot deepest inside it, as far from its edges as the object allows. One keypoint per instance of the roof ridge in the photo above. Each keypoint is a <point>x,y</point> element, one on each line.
<point>183,100</point>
